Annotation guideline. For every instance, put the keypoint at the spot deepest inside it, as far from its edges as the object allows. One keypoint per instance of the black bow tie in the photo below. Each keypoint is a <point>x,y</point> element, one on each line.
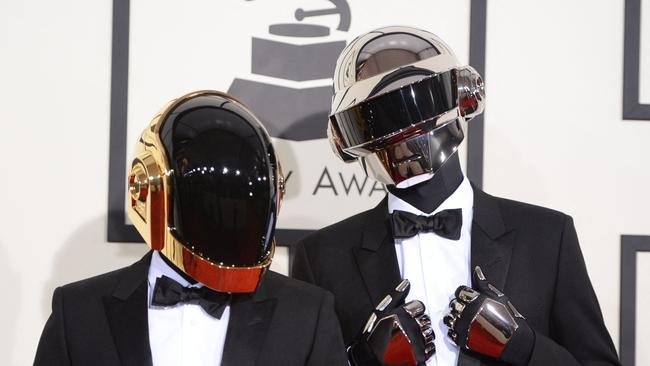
<point>168,292</point>
<point>445,223</point>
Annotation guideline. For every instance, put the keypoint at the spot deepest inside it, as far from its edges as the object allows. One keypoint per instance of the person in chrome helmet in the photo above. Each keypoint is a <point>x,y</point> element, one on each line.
<point>205,188</point>
<point>490,280</point>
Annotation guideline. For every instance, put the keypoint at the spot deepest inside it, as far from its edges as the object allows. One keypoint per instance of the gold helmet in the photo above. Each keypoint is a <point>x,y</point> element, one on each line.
<point>400,97</point>
<point>205,189</point>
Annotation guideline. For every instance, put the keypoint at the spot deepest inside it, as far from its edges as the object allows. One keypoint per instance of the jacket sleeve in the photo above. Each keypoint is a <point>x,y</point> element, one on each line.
<point>578,335</point>
<point>327,349</point>
<point>52,348</point>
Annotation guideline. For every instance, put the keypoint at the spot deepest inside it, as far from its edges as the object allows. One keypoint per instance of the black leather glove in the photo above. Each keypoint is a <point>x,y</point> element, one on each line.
<point>395,333</point>
<point>482,319</point>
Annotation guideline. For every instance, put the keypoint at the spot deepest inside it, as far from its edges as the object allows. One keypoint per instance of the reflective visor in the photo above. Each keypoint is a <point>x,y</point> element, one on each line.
<point>223,181</point>
<point>389,113</point>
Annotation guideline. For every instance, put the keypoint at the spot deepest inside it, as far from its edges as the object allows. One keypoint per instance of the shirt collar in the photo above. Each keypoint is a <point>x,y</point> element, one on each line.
<point>463,197</point>
<point>159,268</point>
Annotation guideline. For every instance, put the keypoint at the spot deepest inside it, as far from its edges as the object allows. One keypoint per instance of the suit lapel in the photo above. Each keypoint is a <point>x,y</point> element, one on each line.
<point>491,241</point>
<point>491,249</point>
<point>127,314</point>
<point>376,257</point>
<point>250,317</point>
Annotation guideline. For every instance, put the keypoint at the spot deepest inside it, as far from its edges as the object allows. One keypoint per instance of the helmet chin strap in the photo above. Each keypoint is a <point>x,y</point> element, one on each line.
<point>428,195</point>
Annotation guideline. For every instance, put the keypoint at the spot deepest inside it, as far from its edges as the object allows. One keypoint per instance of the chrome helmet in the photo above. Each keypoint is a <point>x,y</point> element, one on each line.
<point>400,100</point>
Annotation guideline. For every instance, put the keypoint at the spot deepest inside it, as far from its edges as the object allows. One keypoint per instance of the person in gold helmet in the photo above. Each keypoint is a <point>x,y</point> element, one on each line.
<point>205,189</point>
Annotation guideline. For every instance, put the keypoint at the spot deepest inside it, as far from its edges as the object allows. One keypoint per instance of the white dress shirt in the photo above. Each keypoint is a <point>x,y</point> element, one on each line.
<point>436,266</point>
<point>183,334</point>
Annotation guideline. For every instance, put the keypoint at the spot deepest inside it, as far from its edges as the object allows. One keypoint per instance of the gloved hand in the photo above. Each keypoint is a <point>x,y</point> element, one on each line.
<point>483,319</point>
<point>395,333</point>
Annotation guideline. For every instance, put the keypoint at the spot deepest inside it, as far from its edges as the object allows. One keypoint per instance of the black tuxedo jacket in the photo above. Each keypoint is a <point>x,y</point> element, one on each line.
<point>529,252</point>
<point>103,321</point>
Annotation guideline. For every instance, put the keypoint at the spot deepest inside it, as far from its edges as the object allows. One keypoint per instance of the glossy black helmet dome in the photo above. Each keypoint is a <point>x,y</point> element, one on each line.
<point>222,187</point>
<point>223,180</point>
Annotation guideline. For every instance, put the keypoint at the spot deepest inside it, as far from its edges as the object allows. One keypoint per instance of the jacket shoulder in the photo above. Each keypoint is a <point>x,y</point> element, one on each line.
<point>340,234</point>
<point>537,227</point>
<point>294,290</point>
<point>103,284</point>
<point>517,213</point>
<point>96,285</point>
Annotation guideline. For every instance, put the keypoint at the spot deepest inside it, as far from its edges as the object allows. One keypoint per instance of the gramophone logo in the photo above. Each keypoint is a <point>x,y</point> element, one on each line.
<point>299,52</point>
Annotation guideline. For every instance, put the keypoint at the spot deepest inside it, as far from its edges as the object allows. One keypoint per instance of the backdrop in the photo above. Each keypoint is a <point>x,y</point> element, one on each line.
<point>567,125</point>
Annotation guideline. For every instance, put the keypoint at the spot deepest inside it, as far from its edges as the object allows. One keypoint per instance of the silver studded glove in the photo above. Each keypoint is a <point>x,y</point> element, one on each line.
<point>395,333</point>
<point>482,319</point>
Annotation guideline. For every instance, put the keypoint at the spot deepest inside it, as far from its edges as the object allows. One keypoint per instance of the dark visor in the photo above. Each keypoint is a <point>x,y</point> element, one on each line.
<point>224,187</point>
<point>398,109</point>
